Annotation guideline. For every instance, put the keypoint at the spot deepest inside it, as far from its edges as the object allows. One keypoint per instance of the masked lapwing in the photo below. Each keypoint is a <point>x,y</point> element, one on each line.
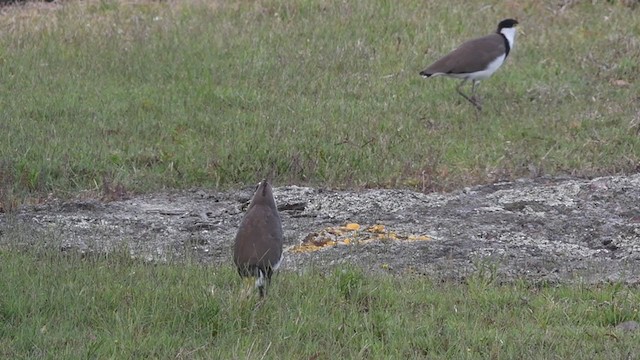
<point>257,250</point>
<point>476,59</point>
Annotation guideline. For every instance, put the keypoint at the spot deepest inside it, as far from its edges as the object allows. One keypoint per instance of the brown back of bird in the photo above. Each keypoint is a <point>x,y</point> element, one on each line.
<point>258,243</point>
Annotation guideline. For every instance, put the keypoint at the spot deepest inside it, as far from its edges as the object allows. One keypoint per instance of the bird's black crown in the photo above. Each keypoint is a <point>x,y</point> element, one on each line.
<point>507,23</point>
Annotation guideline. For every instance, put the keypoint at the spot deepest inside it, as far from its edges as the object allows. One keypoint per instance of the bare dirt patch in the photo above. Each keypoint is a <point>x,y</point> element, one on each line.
<point>541,230</point>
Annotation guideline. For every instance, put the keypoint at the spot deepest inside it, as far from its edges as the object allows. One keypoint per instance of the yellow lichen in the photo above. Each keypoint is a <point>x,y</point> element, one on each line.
<point>352,227</point>
<point>376,229</point>
<point>418,238</point>
<point>333,236</point>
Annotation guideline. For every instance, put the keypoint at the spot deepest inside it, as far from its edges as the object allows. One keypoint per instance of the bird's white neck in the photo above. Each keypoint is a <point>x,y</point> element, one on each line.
<point>510,34</point>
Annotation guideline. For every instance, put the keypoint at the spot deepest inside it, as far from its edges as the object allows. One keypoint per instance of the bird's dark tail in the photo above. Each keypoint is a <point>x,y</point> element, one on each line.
<point>425,74</point>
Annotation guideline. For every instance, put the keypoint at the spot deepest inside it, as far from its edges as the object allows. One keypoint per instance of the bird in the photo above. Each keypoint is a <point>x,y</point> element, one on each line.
<point>258,243</point>
<point>476,59</point>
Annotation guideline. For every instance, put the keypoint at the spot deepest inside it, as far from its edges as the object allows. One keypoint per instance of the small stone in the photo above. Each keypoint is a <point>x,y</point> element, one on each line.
<point>628,326</point>
<point>620,83</point>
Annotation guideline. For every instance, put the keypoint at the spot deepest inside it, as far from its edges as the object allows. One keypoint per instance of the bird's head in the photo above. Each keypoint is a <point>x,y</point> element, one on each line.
<point>263,195</point>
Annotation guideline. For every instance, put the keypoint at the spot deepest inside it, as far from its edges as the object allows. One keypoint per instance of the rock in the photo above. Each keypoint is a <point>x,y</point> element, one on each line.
<point>628,326</point>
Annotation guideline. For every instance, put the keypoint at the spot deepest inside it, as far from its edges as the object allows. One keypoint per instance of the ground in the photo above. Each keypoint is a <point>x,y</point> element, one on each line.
<point>546,229</point>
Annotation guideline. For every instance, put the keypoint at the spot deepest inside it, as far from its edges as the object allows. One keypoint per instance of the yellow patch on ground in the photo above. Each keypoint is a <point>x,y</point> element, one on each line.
<point>418,238</point>
<point>351,234</point>
<point>352,227</point>
<point>376,228</point>
<point>305,247</point>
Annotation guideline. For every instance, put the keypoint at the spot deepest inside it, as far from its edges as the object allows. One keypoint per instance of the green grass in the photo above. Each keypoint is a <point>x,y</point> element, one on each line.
<point>65,306</point>
<point>152,95</point>
<point>148,95</point>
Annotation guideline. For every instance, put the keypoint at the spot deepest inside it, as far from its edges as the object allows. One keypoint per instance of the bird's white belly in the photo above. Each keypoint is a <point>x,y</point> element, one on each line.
<point>483,74</point>
<point>478,75</point>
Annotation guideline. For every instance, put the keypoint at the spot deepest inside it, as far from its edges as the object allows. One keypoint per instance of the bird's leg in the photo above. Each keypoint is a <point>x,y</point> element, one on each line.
<point>471,100</point>
<point>474,99</point>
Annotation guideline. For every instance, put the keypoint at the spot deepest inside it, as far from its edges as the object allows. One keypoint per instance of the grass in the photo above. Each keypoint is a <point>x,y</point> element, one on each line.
<point>66,306</point>
<point>110,96</point>
<point>153,95</point>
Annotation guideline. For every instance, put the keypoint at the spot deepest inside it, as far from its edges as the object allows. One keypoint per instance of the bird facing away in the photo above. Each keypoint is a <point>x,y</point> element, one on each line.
<point>257,250</point>
<point>476,59</point>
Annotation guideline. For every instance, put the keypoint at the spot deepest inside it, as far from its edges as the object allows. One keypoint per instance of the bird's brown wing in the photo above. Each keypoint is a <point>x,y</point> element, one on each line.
<point>259,238</point>
<point>469,57</point>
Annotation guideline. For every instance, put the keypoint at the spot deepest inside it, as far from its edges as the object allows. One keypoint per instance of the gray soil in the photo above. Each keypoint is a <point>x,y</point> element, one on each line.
<point>549,230</point>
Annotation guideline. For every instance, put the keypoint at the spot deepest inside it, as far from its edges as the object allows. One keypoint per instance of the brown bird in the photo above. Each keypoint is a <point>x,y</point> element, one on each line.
<point>476,59</point>
<point>258,245</point>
